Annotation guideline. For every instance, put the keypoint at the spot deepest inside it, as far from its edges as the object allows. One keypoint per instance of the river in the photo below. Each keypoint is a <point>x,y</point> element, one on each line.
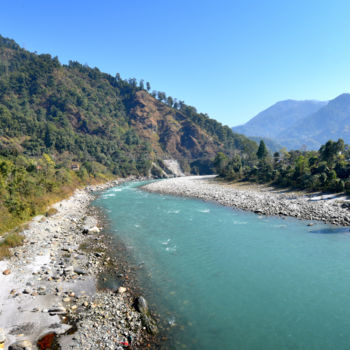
<point>227,279</point>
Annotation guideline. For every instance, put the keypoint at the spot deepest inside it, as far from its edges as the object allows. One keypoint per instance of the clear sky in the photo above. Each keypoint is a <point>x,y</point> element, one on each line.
<point>230,59</point>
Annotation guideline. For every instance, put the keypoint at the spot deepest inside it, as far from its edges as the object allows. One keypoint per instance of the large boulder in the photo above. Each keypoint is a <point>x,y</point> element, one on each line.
<point>142,305</point>
<point>147,320</point>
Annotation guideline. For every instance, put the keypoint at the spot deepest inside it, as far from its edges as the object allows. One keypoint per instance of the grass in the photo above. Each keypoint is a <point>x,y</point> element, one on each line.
<point>12,240</point>
<point>51,211</point>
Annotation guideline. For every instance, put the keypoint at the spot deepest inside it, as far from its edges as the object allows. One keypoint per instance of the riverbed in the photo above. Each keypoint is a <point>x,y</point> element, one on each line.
<point>227,279</point>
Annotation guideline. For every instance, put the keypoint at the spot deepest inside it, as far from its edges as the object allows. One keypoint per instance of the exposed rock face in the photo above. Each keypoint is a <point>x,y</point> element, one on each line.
<point>169,131</point>
<point>174,166</point>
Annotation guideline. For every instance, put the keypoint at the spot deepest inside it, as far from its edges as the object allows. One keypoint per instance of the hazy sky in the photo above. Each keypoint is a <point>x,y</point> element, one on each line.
<point>230,59</point>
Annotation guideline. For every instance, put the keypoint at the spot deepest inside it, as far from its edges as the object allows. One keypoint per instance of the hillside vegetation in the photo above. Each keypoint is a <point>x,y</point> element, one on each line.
<point>327,169</point>
<point>62,126</point>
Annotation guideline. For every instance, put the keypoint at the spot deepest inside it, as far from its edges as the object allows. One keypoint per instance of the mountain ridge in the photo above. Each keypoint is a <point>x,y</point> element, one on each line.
<point>78,113</point>
<point>296,127</point>
<point>281,115</point>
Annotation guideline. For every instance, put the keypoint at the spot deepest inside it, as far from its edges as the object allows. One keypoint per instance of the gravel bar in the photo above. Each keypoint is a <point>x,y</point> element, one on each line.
<point>333,209</point>
<point>49,295</point>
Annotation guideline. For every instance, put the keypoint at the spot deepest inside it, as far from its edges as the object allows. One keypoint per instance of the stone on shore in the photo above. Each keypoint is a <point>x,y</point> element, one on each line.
<point>121,290</point>
<point>6,272</point>
<point>2,336</point>
<point>149,323</point>
<point>21,345</point>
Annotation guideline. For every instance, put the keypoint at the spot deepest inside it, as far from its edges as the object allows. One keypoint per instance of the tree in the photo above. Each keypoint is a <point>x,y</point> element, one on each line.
<point>262,151</point>
<point>142,85</point>
<point>170,101</point>
<point>220,162</point>
<point>161,96</point>
<point>148,86</point>
<point>331,150</point>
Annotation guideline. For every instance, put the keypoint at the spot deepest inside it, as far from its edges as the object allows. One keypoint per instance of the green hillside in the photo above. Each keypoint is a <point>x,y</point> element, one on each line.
<point>78,113</point>
<point>62,126</point>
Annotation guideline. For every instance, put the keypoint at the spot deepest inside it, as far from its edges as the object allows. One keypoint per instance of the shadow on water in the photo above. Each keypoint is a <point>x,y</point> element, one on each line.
<point>332,231</point>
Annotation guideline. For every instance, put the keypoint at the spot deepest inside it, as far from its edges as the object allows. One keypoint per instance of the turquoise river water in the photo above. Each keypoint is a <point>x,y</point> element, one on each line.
<point>226,279</point>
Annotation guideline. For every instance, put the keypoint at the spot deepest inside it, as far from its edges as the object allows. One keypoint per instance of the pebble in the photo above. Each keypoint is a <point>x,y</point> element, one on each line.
<point>6,272</point>
<point>121,290</point>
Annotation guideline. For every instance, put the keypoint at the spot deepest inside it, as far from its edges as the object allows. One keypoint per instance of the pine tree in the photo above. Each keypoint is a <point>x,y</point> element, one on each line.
<point>262,151</point>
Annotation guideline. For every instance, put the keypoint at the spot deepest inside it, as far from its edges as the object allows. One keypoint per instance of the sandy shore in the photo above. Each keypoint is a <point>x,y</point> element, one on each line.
<point>49,287</point>
<point>264,200</point>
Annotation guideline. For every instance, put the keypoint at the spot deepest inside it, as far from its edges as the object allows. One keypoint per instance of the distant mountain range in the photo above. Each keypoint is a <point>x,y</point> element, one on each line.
<point>300,124</point>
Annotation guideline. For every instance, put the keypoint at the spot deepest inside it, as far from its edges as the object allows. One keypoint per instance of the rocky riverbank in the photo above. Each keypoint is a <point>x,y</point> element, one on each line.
<point>259,199</point>
<point>49,295</point>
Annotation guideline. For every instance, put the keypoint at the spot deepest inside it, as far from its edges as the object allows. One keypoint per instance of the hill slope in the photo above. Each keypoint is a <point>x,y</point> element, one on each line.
<point>77,113</point>
<point>330,122</point>
<point>279,117</point>
<point>300,124</point>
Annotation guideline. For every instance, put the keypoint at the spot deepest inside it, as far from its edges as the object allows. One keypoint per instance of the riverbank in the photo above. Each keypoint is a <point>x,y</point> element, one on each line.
<point>263,200</point>
<point>49,287</point>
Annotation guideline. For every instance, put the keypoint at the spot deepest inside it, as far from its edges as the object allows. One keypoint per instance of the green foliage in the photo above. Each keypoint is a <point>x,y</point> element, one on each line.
<point>262,150</point>
<point>325,170</point>
<point>78,113</point>
<point>29,185</point>
<point>62,126</point>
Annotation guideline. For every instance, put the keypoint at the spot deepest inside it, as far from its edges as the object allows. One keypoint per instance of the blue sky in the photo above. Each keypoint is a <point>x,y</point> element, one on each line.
<point>230,59</point>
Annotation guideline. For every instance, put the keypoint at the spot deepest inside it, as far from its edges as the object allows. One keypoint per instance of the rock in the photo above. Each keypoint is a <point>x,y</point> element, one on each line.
<point>21,345</point>
<point>48,341</point>
<point>150,324</point>
<point>27,291</point>
<point>141,305</point>
<point>94,230</point>
<point>80,271</point>
<point>147,320</point>
<point>2,336</point>
<point>57,310</point>
<point>121,290</point>
<point>6,272</point>
<point>42,290</point>
<point>68,270</point>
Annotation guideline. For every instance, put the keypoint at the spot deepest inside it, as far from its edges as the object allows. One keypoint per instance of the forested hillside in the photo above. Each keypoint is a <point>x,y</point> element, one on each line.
<point>62,126</point>
<point>80,114</point>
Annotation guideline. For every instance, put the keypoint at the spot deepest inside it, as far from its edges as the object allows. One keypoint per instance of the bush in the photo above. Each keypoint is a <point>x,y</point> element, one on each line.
<point>51,211</point>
